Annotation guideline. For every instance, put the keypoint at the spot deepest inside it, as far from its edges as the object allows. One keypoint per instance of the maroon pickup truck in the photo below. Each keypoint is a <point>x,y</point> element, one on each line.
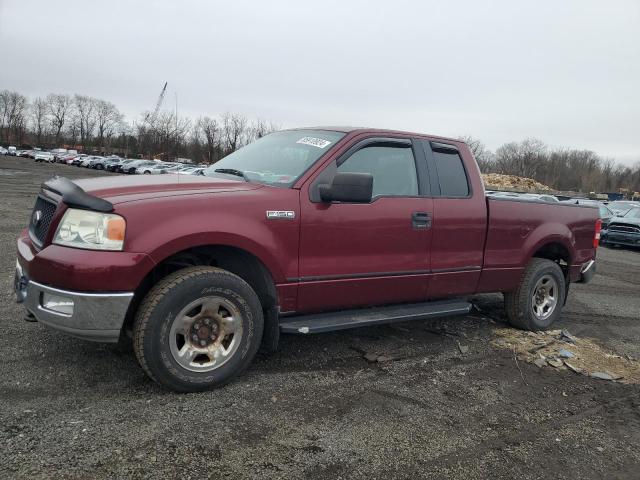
<point>302,231</point>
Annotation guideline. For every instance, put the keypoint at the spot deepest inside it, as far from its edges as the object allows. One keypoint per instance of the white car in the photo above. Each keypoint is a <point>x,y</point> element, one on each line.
<point>3,151</point>
<point>12,151</point>
<point>95,161</point>
<point>187,170</point>
<point>86,161</point>
<point>151,169</point>
<point>41,156</point>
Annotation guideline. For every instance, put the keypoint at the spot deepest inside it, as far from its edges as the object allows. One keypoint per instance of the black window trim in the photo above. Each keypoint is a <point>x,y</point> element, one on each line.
<point>429,147</point>
<point>418,158</point>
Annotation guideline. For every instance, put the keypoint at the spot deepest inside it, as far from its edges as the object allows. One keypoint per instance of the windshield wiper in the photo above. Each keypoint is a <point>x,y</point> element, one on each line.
<point>232,171</point>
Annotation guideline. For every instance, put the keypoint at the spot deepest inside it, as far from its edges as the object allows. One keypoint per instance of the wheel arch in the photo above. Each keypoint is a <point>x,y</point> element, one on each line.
<point>557,252</point>
<point>236,260</point>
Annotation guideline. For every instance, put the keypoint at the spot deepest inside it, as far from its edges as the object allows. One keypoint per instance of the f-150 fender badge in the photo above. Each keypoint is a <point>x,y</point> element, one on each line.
<point>284,214</point>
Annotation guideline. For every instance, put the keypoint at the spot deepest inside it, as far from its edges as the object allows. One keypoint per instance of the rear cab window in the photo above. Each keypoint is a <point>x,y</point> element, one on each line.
<point>450,170</point>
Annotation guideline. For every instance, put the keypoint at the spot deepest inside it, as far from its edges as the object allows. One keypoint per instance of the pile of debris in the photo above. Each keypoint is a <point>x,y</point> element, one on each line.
<point>496,181</point>
<point>560,350</point>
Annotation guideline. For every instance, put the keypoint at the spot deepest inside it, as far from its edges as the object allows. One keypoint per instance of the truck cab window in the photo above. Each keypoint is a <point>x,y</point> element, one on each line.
<point>393,169</point>
<point>451,174</point>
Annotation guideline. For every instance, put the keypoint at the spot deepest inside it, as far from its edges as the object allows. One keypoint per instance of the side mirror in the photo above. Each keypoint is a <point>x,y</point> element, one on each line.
<point>348,187</point>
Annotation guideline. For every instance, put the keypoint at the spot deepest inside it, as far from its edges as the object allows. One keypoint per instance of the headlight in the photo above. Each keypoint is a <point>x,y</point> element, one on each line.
<point>92,230</point>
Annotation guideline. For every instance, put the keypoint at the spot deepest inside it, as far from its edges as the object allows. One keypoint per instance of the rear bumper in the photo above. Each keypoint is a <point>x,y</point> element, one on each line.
<point>587,271</point>
<point>90,316</point>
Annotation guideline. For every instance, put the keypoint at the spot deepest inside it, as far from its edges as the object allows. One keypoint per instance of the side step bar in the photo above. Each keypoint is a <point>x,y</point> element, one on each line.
<point>327,322</point>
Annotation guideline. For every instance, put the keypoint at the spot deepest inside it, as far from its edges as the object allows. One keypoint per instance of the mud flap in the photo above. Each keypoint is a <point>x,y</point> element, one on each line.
<point>271,331</point>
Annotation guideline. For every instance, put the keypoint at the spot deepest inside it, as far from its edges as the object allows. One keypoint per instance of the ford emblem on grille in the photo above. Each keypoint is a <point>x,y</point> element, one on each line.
<point>36,217</point>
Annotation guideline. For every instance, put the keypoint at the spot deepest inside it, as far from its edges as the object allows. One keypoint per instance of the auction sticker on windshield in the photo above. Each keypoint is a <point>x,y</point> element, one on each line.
<point>315,142</point>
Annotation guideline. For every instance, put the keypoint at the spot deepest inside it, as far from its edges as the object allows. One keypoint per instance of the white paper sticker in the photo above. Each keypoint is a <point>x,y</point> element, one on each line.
<point>313,141</point>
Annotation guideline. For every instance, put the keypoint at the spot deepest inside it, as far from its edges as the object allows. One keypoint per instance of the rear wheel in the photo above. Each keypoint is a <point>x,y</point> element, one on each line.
<point>198,329</point>
<point>537,302</point>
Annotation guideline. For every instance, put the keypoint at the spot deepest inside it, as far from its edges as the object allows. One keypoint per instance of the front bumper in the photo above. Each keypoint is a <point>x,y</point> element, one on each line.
<point>621,238</point>
<point>91,316</point>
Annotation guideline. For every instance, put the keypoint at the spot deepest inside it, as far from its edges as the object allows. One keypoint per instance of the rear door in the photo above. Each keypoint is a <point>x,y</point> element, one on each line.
<point>459,219</point>
<point>367,254</point>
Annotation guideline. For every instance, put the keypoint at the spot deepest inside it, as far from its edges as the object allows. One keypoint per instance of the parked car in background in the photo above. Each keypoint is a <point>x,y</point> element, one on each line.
<point>107,163</point>
<point>151,169</point>
<point>171,169</point>
<point>122,165</point>
<point>606,214</point>
<point>86,161</point>
<point>620,207</point>
<point>541,197</point>
<point>68,158</point>
<point>3,151</point>
<point>25,153</point>
<point>189,171</point>
<point>77,161</point>
<point>131,167</point>
<point>11,150</point>
<point>41,156</point>
<point>96,162</point>
<point>624,230</point>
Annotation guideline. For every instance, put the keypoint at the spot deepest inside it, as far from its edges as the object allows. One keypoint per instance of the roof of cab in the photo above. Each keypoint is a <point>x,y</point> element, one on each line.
<point>345,129</point>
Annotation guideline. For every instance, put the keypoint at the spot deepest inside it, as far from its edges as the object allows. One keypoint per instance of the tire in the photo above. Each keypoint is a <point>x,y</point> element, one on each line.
<point>527,311</point>
<point>201,296</point>
<point>99,167</point>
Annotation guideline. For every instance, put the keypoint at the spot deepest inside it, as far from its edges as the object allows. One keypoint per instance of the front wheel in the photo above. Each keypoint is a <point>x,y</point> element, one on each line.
<point>537,302</point>
<point>197,329</point>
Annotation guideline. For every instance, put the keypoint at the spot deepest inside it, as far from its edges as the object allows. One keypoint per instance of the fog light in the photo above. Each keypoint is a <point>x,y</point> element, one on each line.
<point>57,303</point>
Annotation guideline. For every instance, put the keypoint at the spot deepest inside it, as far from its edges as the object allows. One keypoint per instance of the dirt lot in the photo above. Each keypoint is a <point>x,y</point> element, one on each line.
<point>318,408</point>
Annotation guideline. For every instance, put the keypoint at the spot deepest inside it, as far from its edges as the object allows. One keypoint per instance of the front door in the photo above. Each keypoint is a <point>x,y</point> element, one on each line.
<point>367,254</point>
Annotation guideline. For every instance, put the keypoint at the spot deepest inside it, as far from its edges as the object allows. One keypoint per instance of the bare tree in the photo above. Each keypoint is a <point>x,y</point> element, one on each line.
<point>210,131</point>
<point>524,159</point>
<point>483,156</point>
<point>85,117</point>
<point>58,108</point>
<point>13,109</point>
<point>39,118</point>
<point>234,129</point>
<point>108,120</point>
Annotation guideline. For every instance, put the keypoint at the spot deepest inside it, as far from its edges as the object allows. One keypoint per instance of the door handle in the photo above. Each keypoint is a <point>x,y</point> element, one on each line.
<point>420,220</point>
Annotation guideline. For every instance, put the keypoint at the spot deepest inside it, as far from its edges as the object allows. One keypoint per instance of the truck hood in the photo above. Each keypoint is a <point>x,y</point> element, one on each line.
<point>625,221</point>
<point>119,189</point>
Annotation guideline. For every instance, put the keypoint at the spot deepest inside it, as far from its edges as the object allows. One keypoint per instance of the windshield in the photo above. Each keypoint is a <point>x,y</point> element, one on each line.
<point>277,159</point>
<point>633,213</point>
<point>620,205</point>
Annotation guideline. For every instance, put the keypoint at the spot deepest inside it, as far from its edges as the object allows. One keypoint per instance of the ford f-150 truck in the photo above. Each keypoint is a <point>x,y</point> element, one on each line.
<point>302,231</point>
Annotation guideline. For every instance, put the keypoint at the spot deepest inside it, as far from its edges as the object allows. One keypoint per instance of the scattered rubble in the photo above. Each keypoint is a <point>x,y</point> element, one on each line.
<point>498,181</point>
<point>555,347</point>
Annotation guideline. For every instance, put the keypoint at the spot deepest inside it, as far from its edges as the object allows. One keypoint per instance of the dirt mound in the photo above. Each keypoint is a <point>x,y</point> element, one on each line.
<point>497,181</point>
<point>560,350</point>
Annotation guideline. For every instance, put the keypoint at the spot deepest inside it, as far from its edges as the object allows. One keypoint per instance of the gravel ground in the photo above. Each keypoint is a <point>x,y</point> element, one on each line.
<point>317,408</point>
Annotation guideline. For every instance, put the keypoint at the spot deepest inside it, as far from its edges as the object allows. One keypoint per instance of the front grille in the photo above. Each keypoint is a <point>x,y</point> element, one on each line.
<point>41,219</point>
<point>622,228</point>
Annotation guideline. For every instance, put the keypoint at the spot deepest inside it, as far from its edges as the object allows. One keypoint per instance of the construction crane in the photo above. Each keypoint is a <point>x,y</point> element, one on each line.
<point>151,117</point>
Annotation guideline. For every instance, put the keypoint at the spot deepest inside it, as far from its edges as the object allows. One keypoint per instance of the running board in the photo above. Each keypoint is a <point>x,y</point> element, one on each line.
<point>327,322</point>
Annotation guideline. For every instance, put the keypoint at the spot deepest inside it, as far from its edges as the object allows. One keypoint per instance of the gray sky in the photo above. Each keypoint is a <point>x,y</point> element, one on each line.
<point>567,72</point>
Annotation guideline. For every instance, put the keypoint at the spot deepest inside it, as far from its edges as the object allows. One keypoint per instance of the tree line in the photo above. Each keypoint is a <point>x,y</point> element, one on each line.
<point>94,125</point>
<point>564,169</point>
<point>97,126</point>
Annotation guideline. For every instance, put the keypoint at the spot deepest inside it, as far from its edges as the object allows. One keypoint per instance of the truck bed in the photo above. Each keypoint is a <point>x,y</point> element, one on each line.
<point>520,228</point>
